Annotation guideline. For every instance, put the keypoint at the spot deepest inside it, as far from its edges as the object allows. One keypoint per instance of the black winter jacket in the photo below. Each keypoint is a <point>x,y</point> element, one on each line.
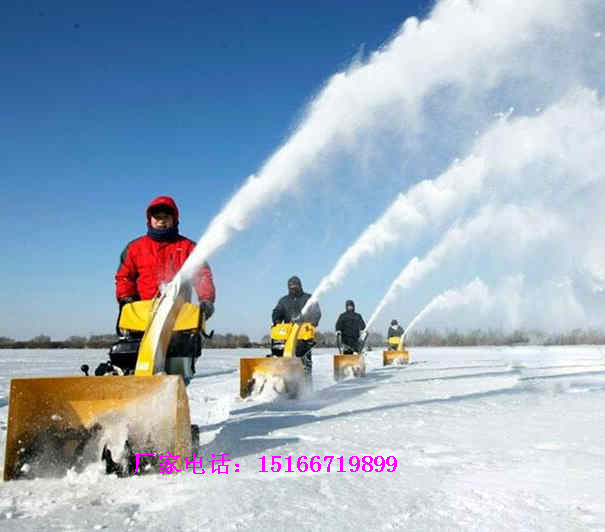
<point>350,324</point>
<point>395,331</point>
<point>289,307</point>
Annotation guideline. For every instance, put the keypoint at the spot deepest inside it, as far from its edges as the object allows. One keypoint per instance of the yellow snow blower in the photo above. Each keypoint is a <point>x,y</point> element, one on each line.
<point>396,354</point>
<point>283,367</point>
<point>349,363</point>
<point>133,407</point>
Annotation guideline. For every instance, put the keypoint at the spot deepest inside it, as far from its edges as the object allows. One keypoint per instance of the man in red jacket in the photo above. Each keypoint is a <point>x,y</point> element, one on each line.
<point>154,259</point>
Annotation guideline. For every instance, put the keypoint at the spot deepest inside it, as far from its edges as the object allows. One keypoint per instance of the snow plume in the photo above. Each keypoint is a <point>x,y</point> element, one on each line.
<point>510,304</point>
<point>472,46</point>
<point>515,228</point>
<point>428,201</point>
<point>558,234</point>
<point>595,268</point>
<point>502,162</point>
<point>549,172</point>
<point>476,290</point>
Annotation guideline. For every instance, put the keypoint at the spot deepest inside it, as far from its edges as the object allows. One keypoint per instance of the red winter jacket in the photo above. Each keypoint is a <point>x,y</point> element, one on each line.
<point>147,263</point>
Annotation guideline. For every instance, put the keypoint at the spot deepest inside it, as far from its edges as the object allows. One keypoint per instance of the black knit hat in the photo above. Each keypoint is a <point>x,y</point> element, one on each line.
<point>394,322</point>
<point>295,280</point>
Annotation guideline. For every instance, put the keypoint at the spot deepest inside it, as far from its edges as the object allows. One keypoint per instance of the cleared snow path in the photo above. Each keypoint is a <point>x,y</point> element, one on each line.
<point>485,439</point>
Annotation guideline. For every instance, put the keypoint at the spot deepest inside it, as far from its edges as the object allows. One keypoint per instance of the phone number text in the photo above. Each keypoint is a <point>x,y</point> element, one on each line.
<point>329,464</point>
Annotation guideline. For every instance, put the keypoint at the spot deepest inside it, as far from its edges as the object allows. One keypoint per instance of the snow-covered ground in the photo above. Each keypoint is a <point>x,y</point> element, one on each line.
<point>485,439</point>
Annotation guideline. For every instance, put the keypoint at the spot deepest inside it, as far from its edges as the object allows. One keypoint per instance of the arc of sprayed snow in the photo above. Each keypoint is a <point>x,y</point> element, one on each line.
<point>426,202</point>
<point>502,151</point>
<point>350,99</point>
<point>527,224</point>
<point>451,298</point>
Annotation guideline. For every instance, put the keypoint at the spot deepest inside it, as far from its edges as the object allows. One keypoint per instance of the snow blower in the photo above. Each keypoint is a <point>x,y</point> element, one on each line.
<point>134,405</point>
<point>283,368</point>
<point>396,354</point>
<point>349,363</point>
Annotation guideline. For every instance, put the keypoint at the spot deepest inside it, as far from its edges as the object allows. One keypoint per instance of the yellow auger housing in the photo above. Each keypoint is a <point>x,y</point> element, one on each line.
<point>349,364</point>
<point>285,366</point>
<point>58,423</point>
<point>396,354</point>
<point>353,365</point>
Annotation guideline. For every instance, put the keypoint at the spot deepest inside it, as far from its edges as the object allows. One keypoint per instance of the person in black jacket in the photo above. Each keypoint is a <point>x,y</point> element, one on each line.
<point>349,325</point>
<point>395,329</point>
<point>289,309</point>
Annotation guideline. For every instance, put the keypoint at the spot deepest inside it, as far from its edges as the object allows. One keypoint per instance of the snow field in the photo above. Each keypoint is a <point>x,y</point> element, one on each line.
<point>485,439</point>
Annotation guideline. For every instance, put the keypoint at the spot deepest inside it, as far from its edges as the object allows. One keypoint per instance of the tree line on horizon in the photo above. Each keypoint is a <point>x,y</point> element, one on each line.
<point>417,338</point>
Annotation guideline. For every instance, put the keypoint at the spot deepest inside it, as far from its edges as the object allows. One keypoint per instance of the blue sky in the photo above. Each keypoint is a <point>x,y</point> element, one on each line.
<point>106,106</point>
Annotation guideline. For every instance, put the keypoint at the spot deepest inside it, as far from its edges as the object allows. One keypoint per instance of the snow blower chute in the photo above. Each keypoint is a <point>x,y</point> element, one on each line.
<point>282,369</point>
<point>132,407</point>
<point>396,354</point>
<point>349,363</point>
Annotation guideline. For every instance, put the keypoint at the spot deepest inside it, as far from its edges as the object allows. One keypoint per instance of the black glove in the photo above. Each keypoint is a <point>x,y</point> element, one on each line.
<point>207,308</point>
